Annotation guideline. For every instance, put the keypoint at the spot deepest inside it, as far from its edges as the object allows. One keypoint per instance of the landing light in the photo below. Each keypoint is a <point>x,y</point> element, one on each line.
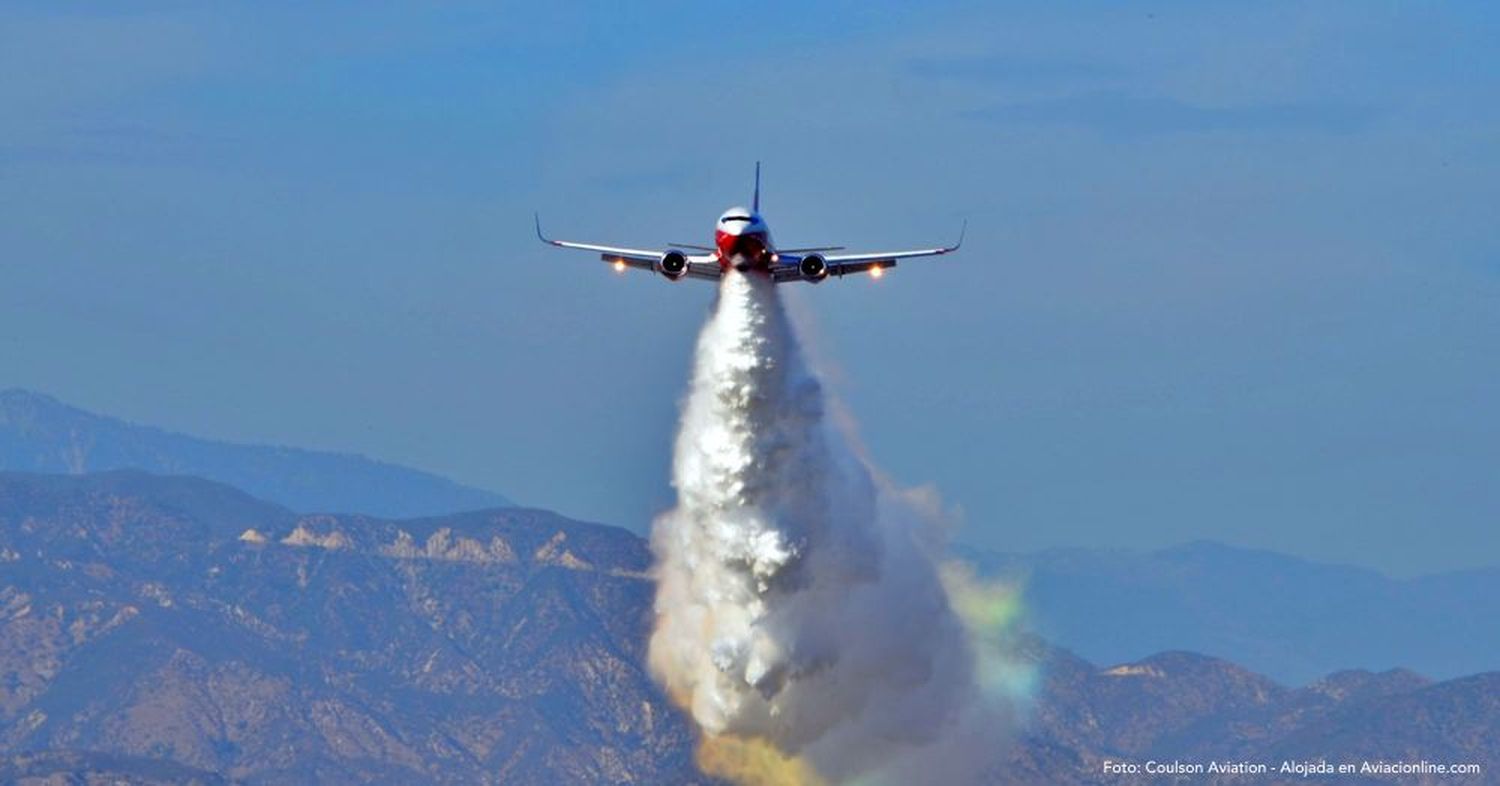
<point>619,266</point>
<point>877,272</point>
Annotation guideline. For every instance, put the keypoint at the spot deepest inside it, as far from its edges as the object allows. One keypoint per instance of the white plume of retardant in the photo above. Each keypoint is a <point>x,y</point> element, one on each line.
<point>795,603</point>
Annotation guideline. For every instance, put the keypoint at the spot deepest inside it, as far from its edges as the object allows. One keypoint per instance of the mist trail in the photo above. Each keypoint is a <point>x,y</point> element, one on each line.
<point>797,606</point>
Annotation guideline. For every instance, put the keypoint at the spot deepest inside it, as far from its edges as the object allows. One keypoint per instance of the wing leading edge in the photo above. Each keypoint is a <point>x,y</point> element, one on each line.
<point>698,265</point>
<point>788,266</point>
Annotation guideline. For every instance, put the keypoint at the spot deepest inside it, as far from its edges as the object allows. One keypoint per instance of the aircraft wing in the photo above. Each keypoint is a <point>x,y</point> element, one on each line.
<point>844,264</point>
<point>704,267</point>
<point>701,266</point>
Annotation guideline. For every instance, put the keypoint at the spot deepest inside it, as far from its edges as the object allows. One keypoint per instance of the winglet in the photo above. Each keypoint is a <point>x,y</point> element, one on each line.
<point>961,230</point>
<point>539,235</point>
<point>755,202</point>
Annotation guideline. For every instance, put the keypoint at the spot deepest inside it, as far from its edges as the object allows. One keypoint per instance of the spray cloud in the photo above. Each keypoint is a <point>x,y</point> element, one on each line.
<point>802,617</point>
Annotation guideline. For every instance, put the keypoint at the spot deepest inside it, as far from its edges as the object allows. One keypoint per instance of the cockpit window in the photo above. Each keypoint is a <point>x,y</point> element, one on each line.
<point>735,218</point>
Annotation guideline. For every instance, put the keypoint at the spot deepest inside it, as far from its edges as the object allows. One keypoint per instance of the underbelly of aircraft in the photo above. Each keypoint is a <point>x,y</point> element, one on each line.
<point>743,252</point>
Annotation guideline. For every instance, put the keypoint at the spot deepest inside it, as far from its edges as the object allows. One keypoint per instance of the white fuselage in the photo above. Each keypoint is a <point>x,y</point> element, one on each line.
<point>743,241</point>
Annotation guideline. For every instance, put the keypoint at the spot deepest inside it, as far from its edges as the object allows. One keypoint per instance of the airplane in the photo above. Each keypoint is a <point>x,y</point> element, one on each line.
<point>742,242</point>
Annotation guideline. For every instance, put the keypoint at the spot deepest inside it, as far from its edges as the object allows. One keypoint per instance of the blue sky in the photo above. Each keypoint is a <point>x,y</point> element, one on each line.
<point>1232,272</point>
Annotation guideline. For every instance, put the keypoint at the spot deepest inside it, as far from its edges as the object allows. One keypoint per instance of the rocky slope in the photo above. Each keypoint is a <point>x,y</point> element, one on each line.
<point>173,620</point>
<point>169,630</point>
<point>1179,706</point>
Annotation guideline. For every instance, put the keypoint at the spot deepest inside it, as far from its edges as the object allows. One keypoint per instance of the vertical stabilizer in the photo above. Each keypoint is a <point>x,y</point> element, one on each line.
<point>755,202</point>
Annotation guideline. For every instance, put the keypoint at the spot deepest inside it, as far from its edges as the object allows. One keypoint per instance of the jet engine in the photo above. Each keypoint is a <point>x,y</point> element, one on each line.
<point>673,265</point>
<point>814,267</point>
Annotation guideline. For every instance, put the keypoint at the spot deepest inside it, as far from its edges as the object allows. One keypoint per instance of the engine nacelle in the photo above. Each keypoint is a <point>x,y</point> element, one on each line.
<point>673,265</point>
<point>814,267</point>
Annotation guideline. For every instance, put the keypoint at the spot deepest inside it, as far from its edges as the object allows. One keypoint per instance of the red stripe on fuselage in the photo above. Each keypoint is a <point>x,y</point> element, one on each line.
<point>742,251</point>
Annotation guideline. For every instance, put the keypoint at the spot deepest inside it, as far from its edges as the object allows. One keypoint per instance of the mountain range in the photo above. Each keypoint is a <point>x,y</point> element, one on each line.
<point>174,621</point>
<point>173,630</point>
<point>1286,617</point>
<point>38,433</point>
<point>1291,619</point>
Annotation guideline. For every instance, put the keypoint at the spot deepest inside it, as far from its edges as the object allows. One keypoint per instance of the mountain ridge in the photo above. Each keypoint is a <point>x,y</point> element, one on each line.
<point>278,647</point>
<point>39,433</point>
<point>1292,618</point>
<point>151,636</point>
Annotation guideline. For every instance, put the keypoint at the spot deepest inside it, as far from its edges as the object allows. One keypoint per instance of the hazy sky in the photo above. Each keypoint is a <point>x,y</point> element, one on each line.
<point>1230,274</point>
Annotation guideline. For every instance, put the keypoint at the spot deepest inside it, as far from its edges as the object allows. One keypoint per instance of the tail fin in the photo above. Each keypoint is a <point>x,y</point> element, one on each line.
<point>755,203</point>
